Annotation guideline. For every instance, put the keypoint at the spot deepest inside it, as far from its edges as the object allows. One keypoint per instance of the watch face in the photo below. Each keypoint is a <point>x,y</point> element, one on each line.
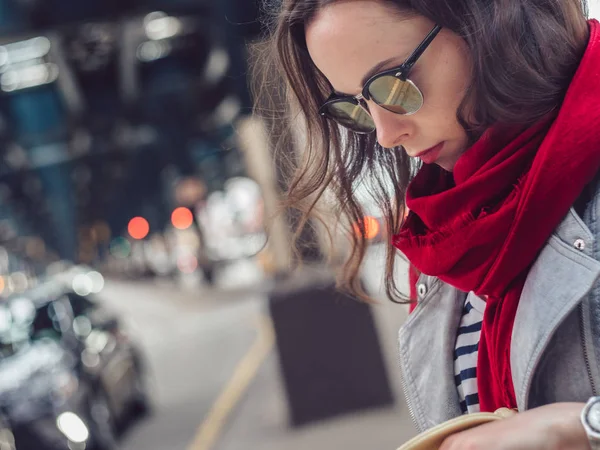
<point>593,417</point>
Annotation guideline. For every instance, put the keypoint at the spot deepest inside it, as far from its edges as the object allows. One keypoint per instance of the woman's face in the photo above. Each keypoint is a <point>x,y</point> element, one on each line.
<point>349,38</point>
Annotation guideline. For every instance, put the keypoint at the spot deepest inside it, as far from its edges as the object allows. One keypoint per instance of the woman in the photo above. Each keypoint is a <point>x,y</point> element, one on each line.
<point>485,116</point>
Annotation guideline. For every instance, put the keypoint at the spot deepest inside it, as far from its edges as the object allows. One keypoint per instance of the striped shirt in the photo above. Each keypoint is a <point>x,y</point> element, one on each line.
<point>465,354</point>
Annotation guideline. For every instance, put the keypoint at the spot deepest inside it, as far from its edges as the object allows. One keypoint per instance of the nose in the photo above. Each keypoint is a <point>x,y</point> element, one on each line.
<point>392,129</point>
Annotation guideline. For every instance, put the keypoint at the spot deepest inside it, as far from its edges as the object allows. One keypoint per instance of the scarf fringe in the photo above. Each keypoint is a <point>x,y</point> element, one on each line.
<point>458,224</point>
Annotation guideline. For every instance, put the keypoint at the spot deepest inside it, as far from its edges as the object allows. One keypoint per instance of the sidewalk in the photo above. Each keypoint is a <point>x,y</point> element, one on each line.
<point>260,423</point>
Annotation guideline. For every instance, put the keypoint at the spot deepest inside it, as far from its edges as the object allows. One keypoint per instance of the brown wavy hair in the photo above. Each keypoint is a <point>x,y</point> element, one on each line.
<point>524,54</point>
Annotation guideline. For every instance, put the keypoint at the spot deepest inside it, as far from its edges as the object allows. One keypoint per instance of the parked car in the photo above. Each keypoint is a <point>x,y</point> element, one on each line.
<point>110,358</point>
<point>70,375</point>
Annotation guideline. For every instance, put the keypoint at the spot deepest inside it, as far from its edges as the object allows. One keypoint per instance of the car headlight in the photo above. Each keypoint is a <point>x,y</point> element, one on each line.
<point>71,425</point>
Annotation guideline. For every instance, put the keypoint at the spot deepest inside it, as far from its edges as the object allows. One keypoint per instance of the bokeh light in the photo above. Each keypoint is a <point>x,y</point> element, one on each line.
<point>82,285</point>
<point>35,248</point>
<point>120,248</point>
<point>187,264</point>
<point>101,231</point>
<point>182,218</point>
<point>97,281</point>
<point>138,228</point>
<point>371,229</point>
<point>18,282</point>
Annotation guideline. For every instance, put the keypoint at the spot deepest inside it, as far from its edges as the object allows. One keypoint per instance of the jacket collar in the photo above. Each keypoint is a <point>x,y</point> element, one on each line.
<point>564,272</point>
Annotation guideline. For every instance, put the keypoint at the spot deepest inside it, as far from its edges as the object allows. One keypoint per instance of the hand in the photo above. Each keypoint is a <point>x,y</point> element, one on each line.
<point>556,426</point>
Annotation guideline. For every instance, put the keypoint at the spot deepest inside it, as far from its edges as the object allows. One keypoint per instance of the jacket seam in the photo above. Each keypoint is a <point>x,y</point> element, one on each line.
<point>409,380</point>
<point>582,225</point>
<point>435,285</point>
<point>587,336</point>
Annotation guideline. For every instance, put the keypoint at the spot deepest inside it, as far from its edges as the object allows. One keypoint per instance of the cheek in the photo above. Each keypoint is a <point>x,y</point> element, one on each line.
<point>445,80</point>
<point>439,114</point>
<point>443,95</point>
<point>445,92</point>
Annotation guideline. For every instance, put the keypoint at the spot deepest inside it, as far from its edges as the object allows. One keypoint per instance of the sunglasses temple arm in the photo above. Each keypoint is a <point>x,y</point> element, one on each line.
<point>413,58</point>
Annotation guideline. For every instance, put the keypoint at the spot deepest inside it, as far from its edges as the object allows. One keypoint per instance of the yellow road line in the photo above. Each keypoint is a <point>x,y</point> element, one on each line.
<point>210,429</point>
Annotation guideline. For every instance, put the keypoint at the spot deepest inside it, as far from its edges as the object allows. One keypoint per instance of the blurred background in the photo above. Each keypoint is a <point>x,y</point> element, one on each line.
<point>141,304</point>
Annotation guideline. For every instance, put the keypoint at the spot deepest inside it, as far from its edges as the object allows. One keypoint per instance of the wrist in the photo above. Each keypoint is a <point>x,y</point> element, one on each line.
<point>578,434</point>
<point>568,428</point>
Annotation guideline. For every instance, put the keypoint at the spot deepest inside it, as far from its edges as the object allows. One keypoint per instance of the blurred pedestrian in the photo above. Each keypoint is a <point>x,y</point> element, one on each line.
<point>482,118</point>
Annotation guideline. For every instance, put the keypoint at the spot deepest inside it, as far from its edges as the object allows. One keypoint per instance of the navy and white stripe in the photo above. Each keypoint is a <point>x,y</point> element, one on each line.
<point>465,353</point>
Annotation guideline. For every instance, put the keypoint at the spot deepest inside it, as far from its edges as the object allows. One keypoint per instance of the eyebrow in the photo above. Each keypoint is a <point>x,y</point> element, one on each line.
<point>379,67</point>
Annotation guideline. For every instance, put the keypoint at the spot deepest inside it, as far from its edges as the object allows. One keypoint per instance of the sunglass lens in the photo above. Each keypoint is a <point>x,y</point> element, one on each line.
<point>396,95</point>
<point>350,115</point>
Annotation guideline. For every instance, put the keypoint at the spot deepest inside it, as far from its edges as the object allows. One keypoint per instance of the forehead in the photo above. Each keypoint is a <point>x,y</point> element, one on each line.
<point>348,38</point>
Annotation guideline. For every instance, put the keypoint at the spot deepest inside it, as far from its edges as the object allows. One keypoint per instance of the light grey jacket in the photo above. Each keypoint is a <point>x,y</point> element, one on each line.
<point>555,348</point>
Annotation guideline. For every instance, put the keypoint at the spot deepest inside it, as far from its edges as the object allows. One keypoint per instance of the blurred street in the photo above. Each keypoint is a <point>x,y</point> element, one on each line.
<point>147,298</point>
<point>193,343</point>
<point>194,340</point>
<point>147,294</point>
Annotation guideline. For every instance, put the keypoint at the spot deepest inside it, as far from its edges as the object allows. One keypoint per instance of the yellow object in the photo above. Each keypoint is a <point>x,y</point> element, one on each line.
<point>432,439</point>
<point>214,424</point>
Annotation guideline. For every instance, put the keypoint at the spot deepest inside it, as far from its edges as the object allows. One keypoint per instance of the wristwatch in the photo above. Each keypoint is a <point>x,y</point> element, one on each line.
<point>590,418</point>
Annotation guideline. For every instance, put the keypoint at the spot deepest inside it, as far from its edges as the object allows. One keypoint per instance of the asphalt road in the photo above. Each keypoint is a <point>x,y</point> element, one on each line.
<point>196,340</point>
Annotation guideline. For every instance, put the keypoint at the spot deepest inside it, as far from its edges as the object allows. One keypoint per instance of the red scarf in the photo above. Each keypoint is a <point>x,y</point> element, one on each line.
<point>481,227</point>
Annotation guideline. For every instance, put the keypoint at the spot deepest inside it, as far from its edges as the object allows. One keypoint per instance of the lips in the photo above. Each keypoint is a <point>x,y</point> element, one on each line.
<point>431,155</point>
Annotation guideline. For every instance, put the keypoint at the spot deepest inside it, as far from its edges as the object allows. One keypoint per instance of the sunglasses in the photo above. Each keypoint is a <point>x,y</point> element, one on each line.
<point>391,89</point>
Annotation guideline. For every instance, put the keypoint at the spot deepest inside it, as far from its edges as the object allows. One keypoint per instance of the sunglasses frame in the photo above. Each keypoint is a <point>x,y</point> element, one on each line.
<point>401,72</point>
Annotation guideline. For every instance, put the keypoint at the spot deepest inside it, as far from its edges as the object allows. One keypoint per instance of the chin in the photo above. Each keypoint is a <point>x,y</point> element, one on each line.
<point>448,161</point>
<point>449,167</point>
